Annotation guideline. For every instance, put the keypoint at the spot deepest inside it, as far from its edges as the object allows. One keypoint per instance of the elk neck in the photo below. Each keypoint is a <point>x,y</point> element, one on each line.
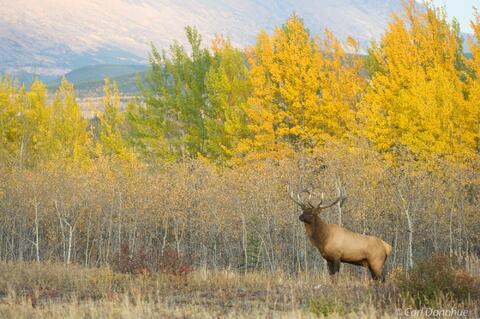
<point>317,231</point>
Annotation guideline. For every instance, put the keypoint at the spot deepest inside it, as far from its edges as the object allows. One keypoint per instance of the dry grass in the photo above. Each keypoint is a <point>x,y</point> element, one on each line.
<point>53,291</point>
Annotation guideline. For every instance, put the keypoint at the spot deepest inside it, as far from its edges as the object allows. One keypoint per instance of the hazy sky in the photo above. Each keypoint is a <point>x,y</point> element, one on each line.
<point>461,9</point>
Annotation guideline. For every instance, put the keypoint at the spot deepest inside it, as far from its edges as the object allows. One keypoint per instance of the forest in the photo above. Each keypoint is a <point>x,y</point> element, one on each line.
<point>194,173</point>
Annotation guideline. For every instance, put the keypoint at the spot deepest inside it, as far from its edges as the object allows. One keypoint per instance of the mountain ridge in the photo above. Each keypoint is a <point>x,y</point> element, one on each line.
<point>49,38</point>
<point>52,37</point>
<point>89,80</point>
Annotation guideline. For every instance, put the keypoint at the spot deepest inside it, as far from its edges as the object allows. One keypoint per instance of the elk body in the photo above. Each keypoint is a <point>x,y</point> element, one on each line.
<point>337,244</point>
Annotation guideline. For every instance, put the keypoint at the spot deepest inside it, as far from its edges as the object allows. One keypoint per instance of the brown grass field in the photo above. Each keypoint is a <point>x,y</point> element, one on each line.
<point>30,290</point>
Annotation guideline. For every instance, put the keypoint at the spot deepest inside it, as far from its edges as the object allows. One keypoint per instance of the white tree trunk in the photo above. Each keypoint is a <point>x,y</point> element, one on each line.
<point>37,238</point>
<point>244,243</point>
<point>410,239</point>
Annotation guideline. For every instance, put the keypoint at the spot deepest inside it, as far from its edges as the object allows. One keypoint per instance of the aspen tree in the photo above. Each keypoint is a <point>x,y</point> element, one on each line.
<point>416,104</point>
<point>112,125</point>
<point>228,89</point>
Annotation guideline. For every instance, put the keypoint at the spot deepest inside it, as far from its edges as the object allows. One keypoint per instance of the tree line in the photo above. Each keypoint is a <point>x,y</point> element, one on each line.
<point>200,161</point>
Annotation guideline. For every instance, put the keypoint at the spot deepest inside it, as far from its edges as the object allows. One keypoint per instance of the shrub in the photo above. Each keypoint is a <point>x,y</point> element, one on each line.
<point>143,262</point>
<point>129,262</point>
<point>438,277</point>
<point>174,264</point>
<point>325,306</point>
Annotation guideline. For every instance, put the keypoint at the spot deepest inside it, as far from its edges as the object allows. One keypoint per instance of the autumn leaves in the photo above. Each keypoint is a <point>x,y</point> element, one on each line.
<point>413,96</point>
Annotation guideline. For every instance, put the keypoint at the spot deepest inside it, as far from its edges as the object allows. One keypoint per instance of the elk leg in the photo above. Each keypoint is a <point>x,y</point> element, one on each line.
<point>337,266</point>
<point>333,267</point>
<point>377,269</point>
<point>384,270</point>
<point>376,273</point>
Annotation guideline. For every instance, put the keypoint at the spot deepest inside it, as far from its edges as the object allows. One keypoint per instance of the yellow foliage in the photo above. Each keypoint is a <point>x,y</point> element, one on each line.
<point>292,92</point>
<point>416,104</point>
<point>342,85</point>
<point>72,140</point>
<point>305,91</point>
<point>474,84</point>
<point>112,121</point>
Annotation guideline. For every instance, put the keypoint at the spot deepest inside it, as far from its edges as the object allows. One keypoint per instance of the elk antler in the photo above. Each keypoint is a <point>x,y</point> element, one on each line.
<point>310,193</point>
<point>339,198</point>
<point>297,201</point>
<point>301,201</point>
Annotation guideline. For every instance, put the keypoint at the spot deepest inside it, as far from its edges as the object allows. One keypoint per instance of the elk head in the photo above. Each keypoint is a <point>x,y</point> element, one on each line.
<point>309,210</point>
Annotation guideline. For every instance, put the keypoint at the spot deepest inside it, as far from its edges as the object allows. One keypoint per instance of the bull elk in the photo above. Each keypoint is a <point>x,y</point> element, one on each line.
<point>337,244</point>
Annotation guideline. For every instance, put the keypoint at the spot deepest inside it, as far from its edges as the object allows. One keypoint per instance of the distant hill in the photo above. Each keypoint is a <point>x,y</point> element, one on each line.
<point>88,81</point>
<point>48,38</point>
<point>52,37</point>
